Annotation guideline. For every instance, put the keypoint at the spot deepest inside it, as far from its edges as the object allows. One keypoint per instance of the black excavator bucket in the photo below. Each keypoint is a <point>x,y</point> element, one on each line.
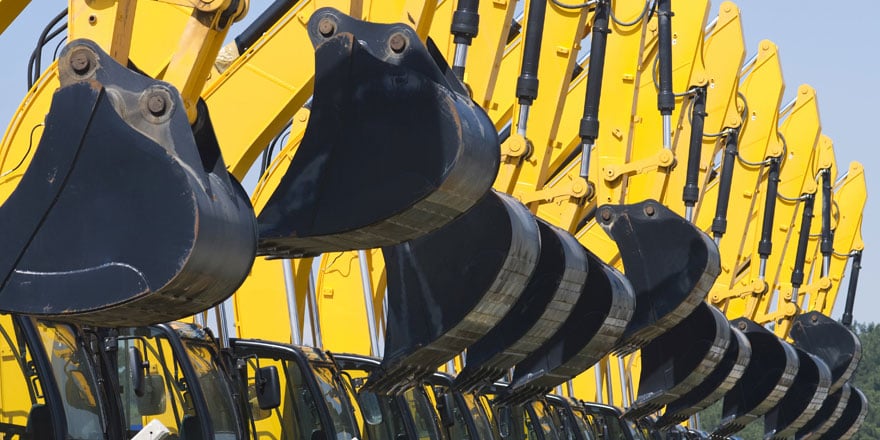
<point>125,216</point>
<point>541,310</point>
<point>803,399</point>
<point>831,341</point>
<point>596,323</point>
<point>670,263</point>
<point>770,373</point>
<point>830,412</point>
<point>394,147</point>
<point>449,288</point>
<point>852,417</point>
<point>717,384</point>
<point>680,359</point>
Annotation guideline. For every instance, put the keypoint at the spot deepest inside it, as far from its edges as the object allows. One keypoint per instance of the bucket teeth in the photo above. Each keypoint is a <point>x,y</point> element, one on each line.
<point>594,326</point>
<point>126,215</point>
<point>393,148</point>
<point>717,384</point>
<point>546,303</point>
<point>803,399</point>
<point>672,367</point>
<point>831,341</point>
<point>449,288</point>
<point>769,375</point>
<point>670,263</point>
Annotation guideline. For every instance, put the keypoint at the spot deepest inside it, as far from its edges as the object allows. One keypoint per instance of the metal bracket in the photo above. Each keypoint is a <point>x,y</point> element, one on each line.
<point>754,288</point>
<point>663,159</point>
<point>575,187</point>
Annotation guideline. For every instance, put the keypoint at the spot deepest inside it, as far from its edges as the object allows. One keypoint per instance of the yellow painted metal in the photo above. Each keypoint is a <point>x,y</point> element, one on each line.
<point>340,291</point>
<point>9,10</point>
<point>800,129</point>
<point>16,401</point>
<point>522,174</point>
<point>485,52</point>
<point>653,175</point>
<point>762,88</point>
<point>109,23</point>
<point>814,282</point>
<point>850,197</point>
<point>723,53</point>
<point>198,47</point>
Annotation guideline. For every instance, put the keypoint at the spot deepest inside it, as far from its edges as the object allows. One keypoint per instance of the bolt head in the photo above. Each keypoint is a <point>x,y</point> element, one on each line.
<point>649,210</point>
<point>605,214</point>
<point>80,62</point>
<point>742,326</point>
<point>156,104</point>
<point>326,27</point>
<point>397,43</point>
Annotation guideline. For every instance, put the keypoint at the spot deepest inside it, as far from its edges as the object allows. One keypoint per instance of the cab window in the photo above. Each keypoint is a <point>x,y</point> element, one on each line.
<point>76,380</point>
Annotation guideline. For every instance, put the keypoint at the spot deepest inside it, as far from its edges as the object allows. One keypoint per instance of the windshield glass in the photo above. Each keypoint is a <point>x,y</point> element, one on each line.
<point>478,413</point>
<point>215,387</point>
<point>76,380</point>
<point>545,420</point>
<point>337,403</point>
<point>424,417</point>
<point>21,391</point>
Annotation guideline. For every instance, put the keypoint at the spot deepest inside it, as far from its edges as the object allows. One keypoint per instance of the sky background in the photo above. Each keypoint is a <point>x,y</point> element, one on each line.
<point>835,50</point>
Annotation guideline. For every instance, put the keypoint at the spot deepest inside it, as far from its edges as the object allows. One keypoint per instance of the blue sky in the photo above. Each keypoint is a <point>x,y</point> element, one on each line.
<point>832,49</point>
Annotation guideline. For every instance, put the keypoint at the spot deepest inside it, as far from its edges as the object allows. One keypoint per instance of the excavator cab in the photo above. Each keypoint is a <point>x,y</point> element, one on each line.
<point>174,373</point>
<point>50,383</point>
<point>408,414</point>
<point>313,401</point>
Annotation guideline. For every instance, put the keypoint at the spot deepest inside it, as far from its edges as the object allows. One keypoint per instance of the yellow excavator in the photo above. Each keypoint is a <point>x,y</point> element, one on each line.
<point>388,148</point>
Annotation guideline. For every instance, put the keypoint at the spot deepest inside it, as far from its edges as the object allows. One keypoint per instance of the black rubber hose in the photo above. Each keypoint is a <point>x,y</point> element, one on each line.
<point>797,275</point>
<point>665,97</point>
<point>527,83</point>
<point>691,192</point>
<point>262,23</point>
<point>765,246</point>
<point>719,223</point>
<point>853,285</point>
